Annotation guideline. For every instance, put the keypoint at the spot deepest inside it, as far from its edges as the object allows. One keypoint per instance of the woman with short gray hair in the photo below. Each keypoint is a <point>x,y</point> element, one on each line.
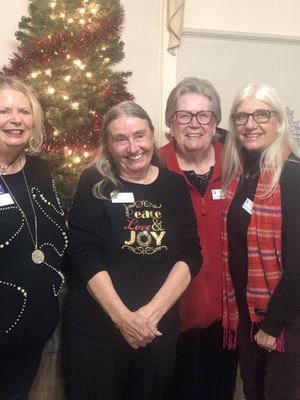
<point>203,370</point>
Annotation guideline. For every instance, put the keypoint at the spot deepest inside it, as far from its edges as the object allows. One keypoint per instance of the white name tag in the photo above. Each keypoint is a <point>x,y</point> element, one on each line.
<point>6,199</point>
<point>216,194</point>
<point>122,197</point>
<point>248,205</point>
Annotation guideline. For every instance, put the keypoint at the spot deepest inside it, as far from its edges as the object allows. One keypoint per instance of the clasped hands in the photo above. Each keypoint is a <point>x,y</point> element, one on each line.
<point>139,327</point>
<point>265,341</point>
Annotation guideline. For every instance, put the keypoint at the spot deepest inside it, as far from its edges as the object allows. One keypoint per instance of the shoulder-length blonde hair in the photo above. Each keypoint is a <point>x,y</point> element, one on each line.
<point>38,133</point>
<point>104,162</point>
<point>273,156</point>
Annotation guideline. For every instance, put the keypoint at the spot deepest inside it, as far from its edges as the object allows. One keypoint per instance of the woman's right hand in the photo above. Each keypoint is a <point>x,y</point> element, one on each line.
<point>136,329</point>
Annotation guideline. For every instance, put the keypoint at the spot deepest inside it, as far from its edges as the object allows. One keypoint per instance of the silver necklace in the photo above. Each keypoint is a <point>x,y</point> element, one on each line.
<point>4,169</point>
<point>252,176</point>
<point>37,255</point>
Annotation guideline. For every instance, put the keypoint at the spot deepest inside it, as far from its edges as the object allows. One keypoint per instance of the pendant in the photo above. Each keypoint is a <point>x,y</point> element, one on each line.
<point>37,256</point>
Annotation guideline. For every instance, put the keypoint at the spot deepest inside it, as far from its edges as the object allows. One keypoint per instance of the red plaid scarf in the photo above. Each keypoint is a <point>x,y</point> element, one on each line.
<point>264,258</point>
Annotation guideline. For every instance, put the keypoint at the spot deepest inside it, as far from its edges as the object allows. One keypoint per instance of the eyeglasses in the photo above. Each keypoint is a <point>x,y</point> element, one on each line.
<point>259,116</point>
<point>202,117</point>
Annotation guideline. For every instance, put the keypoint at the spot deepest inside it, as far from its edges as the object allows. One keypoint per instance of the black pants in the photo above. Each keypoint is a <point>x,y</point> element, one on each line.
<point>109,369</point>
<point>203,370</point>
<point>17,373</point>
<point>270,376</point>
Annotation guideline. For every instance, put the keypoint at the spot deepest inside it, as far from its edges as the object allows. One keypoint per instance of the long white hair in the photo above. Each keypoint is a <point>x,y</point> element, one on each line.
<point>274,155</point>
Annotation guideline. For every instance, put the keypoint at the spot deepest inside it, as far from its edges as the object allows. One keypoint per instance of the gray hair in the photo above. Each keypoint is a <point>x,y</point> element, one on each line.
<point>274,156</point>
<point>104,162</point>
<point>193,85</point>
<point>38,133</point>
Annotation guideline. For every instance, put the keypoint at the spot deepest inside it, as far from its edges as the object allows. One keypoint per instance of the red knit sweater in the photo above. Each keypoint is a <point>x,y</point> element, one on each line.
<point>201,304</point>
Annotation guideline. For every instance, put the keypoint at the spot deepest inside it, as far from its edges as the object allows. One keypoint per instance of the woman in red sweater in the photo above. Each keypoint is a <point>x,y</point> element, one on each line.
<point>203,369</point>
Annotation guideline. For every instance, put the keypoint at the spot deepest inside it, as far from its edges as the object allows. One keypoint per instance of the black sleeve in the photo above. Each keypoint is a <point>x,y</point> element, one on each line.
<point>190,251</point>
<point>285,300</point>
<point>39,171</point>
<point>86,214</point>
<point>39,174</point>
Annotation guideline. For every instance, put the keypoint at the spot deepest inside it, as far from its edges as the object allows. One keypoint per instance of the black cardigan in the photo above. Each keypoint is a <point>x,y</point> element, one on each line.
<point>29,308</point>
<point>285,300</point>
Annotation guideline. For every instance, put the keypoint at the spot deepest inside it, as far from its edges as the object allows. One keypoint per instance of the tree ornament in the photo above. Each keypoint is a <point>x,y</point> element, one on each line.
<point>52,37</point>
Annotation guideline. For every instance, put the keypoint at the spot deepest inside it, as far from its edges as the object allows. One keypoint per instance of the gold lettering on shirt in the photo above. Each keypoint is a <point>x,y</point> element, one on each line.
<point>145,228</point>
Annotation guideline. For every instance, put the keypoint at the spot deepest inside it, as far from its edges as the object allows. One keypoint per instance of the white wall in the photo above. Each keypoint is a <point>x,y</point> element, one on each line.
<point>154,69</point>
<point>142,35</point>
<point>280,17</point>
<point>11,12</point>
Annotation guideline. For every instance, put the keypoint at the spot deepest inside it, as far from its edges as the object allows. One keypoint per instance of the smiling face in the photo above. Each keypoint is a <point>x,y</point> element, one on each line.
<point>131,145</point>
<point>254,135</point>
<point>16,121</point>
<point>192,136</point>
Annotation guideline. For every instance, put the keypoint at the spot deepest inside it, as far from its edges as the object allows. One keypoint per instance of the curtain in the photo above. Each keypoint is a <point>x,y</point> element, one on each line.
<point>175,22</point>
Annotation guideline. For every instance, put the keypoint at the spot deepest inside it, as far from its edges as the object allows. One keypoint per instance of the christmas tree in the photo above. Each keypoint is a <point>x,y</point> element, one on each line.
<point>67,51</point>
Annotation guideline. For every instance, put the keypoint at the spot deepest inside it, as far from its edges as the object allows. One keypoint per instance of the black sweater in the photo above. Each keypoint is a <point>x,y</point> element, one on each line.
<point>285,300</point>
<point>136,243</point>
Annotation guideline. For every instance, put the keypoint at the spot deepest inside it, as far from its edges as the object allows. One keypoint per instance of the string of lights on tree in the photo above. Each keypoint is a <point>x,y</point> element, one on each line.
<point>66,54</point>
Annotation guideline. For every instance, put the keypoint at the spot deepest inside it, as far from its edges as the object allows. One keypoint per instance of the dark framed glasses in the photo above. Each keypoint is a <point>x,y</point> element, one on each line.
<point>202,117</point>
<point>259,116</point>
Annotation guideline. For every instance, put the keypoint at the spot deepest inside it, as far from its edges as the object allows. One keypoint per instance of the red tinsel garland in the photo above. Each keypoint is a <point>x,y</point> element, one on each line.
<point>60,45</point>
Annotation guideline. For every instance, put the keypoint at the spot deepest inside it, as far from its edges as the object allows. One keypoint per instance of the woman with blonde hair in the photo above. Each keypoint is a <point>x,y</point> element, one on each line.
<point>33,240</point>
<point>261,228</point>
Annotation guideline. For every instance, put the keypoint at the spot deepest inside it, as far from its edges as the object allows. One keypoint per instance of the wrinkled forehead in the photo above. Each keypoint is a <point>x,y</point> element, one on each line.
<point>194,101</point>
<point>124,122</point>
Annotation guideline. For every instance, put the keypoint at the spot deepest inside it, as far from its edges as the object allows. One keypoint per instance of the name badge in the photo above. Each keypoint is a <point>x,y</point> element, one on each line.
<point>6,199</point>
<point>122,197</point>
<point>248,205</point>
<point>216,194</point>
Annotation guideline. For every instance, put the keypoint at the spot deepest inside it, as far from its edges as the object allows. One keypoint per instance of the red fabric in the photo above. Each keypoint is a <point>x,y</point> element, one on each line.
<point>264,257</point>
<point>201,304</point>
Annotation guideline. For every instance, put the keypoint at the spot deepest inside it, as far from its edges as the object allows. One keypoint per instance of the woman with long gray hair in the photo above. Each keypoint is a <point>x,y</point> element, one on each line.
<point>132,255</point>
<point>261,230</point>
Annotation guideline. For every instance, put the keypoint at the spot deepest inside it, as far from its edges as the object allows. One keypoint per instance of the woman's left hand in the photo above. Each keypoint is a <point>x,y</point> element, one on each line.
<point>265,341</point>
<point>151,316</point>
